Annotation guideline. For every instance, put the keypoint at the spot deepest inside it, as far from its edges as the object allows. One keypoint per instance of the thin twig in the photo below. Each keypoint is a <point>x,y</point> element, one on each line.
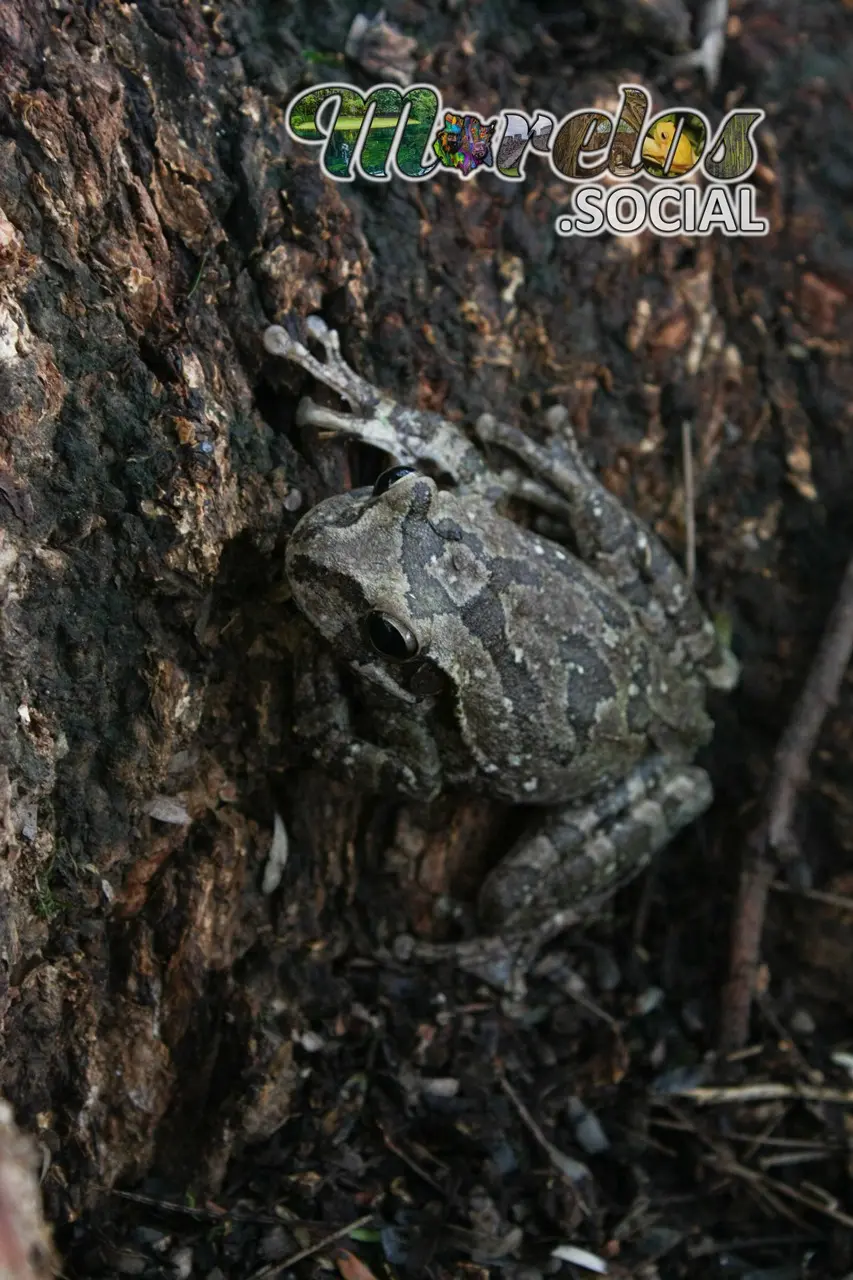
<point>745,948</point>
<point>708,1248</point>
<point>720,1158</point>
<point>209,1211</point>
<point>276,1268</point>
<point>774,838</point>
<point>766,1092</point>
<point>790,1144</point>
<point>807,1194</point>
<point>711,42</point>
<point>776,1118</point>
<point>567,1165</point>
<point>407,1159</point>
<point>784,1159</point>
<point>840,900</point>
<point>689,499</point>
<point>197,280</point>
<point>819,694</point>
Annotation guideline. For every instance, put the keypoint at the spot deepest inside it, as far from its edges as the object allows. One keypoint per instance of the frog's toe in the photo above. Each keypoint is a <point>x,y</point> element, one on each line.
<point>278,342</point>
<point>485,428</point>
<point>725,676</point>
<point>330,341</point>
<point>558,418</point>
<point>317,327</point>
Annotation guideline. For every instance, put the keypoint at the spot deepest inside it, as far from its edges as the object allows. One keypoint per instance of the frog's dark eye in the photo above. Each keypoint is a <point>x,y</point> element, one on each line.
<point>389,477</point>
<point>390,637</point>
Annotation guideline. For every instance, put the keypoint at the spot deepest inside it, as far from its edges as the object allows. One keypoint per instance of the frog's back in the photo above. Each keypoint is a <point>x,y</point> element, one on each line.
<point>563,688</point>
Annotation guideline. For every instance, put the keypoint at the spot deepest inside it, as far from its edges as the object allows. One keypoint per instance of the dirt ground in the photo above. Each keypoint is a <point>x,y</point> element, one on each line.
<point>223,1080</point>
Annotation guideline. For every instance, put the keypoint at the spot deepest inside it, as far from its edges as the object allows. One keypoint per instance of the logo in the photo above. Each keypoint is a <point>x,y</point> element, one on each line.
<point>464,143</point>
<point>630,170</point>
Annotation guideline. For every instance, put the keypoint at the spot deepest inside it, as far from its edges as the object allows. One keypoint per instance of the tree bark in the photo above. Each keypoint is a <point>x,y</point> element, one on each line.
<point>143,248</point>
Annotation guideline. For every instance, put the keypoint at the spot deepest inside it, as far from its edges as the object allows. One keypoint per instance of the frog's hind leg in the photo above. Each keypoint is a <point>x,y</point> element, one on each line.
<point>410,436</point>
<point>576,857</point>
<point>577,854</point>
<point>617,544</point>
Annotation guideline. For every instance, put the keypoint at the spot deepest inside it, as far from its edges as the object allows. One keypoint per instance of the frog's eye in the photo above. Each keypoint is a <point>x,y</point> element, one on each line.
<point>389,477</point>
<point>390,637</point>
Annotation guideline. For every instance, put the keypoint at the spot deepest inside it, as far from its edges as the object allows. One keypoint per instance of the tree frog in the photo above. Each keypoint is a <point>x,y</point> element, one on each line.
<point>569,679</point>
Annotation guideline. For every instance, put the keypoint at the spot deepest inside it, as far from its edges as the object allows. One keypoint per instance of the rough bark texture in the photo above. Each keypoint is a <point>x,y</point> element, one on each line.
<point>154,217</point>
<point>143,242</point>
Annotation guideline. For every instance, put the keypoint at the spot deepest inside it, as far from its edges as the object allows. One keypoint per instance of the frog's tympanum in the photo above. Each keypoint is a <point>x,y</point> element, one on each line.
<point>570,681</point>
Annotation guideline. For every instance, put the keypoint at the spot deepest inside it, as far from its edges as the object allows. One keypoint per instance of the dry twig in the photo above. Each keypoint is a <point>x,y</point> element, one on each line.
<point>766,1092</point>
<point>207,1212</point>
<point>276,1268</point>
<point>807,1194</point>
<point>774,840</point>
<point>689,500</point>
<point>840,900</point>
<point>567,1165</point>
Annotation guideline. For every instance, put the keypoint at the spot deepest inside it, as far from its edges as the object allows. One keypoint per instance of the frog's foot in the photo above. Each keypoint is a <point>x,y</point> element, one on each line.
<point>409,436</point>
<point>578,853</point>
<point>712,26</point>
<point>334,373</point>
<point>502,961</point>
<point>617,544</point>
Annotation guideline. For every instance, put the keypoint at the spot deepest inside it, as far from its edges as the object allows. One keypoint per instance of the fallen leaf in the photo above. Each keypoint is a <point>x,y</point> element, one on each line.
<point>167,809</point>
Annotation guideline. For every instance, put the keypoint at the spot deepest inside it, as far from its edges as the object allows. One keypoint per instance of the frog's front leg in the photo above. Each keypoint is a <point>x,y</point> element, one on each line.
<point>404,761</point>
<point>619,546</point>
<point>410,436</point>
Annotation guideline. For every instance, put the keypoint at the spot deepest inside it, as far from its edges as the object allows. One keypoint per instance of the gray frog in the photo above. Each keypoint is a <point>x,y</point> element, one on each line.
<point>504,662</point>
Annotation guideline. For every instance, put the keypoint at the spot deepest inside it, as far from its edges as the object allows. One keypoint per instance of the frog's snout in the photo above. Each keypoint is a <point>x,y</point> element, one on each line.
<point>405,491</point>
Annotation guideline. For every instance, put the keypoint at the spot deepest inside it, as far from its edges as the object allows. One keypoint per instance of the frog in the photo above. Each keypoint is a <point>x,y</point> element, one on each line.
<point>564,668</point>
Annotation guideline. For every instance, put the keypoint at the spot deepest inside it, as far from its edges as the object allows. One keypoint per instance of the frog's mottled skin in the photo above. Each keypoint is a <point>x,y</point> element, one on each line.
<point>547,678</point>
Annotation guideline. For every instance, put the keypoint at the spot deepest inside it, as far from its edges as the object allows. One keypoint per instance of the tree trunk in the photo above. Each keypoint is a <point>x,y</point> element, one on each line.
<point>143,672</point>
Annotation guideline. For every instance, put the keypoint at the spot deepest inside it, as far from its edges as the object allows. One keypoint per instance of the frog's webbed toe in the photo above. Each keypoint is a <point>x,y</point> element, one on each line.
<point>373,431</point>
